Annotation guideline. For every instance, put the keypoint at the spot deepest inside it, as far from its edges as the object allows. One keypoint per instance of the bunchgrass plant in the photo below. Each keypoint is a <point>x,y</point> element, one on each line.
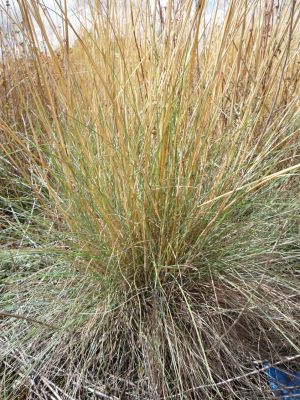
<point>150,200</point>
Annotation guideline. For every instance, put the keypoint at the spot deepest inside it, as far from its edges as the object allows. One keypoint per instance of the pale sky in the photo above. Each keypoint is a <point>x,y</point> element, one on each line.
<point>76,10</point>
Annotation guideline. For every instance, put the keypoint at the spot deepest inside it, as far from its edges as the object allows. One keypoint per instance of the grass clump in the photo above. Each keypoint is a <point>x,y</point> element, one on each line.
<point>159,256</point>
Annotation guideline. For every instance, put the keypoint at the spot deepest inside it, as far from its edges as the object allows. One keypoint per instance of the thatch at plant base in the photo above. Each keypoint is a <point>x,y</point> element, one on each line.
<point>150,203</point>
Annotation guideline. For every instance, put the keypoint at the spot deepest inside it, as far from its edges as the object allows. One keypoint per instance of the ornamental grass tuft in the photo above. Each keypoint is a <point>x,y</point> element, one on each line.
<point>149,200</point>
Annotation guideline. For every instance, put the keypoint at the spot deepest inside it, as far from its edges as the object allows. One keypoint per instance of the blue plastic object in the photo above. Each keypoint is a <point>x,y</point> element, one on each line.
<point>284,384</point>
